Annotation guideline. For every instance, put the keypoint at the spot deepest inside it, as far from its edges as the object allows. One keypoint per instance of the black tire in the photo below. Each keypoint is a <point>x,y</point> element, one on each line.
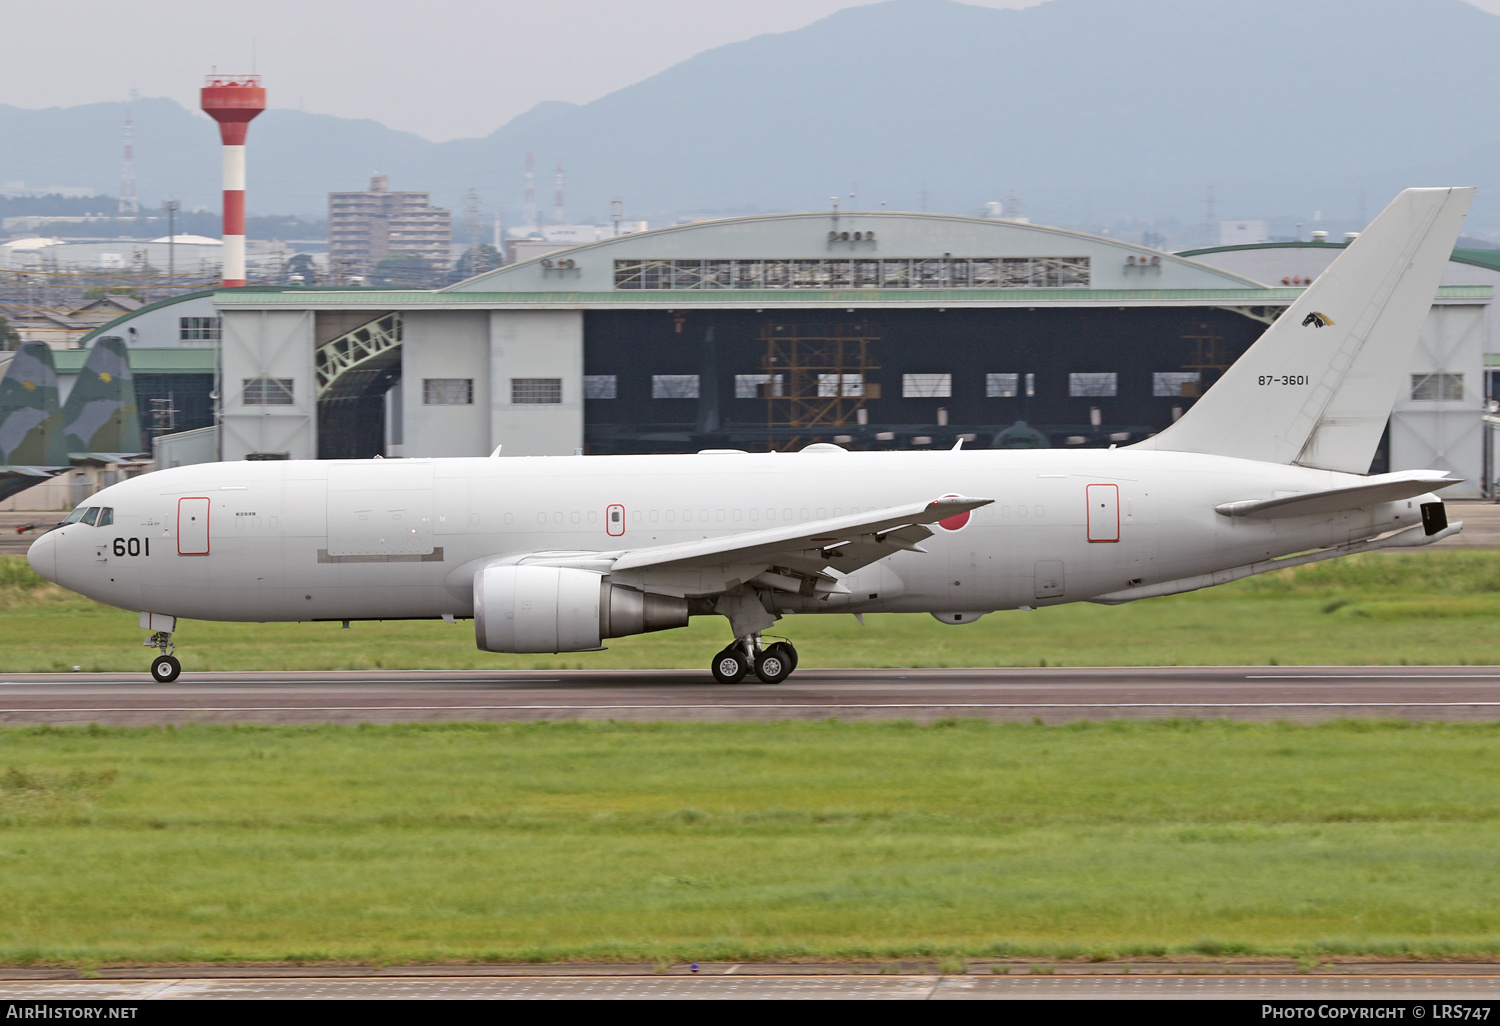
<point>773,666</point>
<point>729,666</point>
<point>165,669</point>
<point>786,651</point>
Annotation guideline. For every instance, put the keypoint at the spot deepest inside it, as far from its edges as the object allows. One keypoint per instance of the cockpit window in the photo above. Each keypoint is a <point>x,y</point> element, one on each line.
<point>91,515</point>
<point>75,516</point>
<point>106,516</point>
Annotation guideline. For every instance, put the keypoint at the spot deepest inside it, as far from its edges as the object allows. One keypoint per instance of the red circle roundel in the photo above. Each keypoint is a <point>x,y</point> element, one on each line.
<point>957,520</point>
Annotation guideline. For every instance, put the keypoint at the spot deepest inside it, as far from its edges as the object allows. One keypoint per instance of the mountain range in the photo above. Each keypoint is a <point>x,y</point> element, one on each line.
<point>1091,111</point>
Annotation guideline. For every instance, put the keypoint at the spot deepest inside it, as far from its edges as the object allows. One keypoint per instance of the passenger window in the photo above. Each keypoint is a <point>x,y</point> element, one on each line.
<point>75,516</point>
<point>106,516</point>
<point>91,515</point>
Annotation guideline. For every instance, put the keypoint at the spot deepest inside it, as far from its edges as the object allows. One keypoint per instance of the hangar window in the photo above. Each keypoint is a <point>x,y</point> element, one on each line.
<point>600,386</point>
<point>674,386</point>
<point>535,391</point>
<point>447,391</point>
<point>1001,386</point>
<point>268,391</point>
<point>1437,388</point>
<point>851,386</point>
<point>197,329</point>
<point>756,386</point>
<point>832,273</point>
<point>1094,384</point>
<point>1171,383</point>
<point>926,386</point>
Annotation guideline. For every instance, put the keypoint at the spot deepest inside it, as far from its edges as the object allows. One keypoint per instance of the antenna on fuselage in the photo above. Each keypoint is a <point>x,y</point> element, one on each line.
<point>497,450</point>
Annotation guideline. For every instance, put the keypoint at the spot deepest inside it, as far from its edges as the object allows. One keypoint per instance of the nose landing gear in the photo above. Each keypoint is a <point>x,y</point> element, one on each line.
<point>772,664</point>
<point>165,667</point>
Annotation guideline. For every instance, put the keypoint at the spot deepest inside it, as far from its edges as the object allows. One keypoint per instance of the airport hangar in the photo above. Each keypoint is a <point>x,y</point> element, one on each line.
<point>871,330</point>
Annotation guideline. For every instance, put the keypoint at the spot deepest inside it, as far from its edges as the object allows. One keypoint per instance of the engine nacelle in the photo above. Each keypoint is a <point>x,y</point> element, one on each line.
<point>560,609</point>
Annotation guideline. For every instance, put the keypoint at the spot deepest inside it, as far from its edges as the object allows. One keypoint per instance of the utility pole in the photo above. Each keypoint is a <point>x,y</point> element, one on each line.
<point>172,207</point>
<point>616,212</point>
<point>528,208</point>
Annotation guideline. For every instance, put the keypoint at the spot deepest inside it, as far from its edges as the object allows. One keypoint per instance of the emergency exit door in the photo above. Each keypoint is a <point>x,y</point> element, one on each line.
<point>192,527</point>
<point>1104,512</point>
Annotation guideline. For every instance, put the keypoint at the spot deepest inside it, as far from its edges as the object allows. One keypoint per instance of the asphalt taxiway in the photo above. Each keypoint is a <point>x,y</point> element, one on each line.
<point>1050,695</point>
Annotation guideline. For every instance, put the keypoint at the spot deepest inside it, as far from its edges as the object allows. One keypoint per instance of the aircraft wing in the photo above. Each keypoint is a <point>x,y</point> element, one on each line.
<point>844,544</point>
<point>1379,488</point>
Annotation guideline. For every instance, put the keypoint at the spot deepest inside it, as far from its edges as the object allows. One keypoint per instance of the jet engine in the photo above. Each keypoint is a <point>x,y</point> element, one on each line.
<point>560,609</point>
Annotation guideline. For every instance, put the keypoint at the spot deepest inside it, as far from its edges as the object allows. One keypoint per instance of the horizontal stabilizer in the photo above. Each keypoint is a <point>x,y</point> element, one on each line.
<point>14,480</point>
<point>1380,488</point>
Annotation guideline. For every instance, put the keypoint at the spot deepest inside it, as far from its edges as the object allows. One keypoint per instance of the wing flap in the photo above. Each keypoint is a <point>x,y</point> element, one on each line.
<point>1377,489</point>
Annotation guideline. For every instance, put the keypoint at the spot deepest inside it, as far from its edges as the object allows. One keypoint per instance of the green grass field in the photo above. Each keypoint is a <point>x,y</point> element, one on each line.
<point>1419,608</point>
<point>599,841</point>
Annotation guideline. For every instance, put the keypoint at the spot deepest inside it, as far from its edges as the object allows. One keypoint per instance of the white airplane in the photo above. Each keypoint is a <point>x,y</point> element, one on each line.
<point>557,554</point>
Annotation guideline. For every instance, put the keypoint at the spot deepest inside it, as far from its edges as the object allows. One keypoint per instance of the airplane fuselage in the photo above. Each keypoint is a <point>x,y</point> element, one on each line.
<point>397,539</point>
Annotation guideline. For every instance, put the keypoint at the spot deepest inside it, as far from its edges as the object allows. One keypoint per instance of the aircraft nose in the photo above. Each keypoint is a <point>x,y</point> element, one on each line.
<point>43,556</point>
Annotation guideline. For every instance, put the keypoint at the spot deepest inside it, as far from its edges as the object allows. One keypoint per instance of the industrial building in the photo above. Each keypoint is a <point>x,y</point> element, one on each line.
<point>870,330</point>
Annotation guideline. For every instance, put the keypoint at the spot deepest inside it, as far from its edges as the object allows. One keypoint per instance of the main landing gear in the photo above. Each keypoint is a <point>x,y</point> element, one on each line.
<point>772,664</point>
<point>165,667</point>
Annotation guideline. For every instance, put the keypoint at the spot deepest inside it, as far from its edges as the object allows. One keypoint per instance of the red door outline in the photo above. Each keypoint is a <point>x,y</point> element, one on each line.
<point>1103,512</point>
<point>193,551</point>
<point>614,519</point>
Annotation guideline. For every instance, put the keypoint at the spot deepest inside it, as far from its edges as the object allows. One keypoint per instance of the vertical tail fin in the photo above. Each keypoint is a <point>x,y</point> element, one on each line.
<point>30,421</point>
<point>1317,388</point>
<point>100,414</point>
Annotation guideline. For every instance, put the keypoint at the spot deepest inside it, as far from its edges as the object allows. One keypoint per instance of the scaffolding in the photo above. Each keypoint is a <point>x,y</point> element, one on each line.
<point>817,375</point>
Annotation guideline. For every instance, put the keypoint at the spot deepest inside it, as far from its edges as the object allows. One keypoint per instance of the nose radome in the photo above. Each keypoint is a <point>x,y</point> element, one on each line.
<point>43,556</point>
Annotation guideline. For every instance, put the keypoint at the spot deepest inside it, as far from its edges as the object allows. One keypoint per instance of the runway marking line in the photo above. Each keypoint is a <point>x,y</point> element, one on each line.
<point>763,705</point>
<point>1373,676</point>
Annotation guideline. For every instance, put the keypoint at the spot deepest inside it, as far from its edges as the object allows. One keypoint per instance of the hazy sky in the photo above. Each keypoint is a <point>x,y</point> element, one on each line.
<point>443,69</point>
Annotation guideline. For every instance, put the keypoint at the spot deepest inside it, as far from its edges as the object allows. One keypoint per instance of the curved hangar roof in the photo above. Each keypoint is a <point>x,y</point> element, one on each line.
<point>873,250</point>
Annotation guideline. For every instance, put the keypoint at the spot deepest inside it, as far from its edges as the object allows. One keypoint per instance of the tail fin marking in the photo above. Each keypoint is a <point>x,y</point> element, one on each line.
<point>1317,387</point>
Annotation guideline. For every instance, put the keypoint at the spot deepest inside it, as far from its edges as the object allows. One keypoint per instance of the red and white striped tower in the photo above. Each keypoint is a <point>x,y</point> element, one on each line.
<point>234,101</point>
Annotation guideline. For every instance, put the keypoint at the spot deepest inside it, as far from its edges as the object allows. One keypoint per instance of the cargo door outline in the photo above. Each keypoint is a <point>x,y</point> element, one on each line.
<point>1103,502</point>
<point>192,526</point>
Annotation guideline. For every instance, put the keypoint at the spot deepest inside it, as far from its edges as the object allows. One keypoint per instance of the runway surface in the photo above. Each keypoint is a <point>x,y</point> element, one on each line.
<point>1051,695</point>
<point>721,986</point>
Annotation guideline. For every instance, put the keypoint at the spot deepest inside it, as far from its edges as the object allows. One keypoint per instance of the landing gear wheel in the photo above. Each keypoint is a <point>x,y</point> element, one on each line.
<point>730,666</point>
<point>787,653</point>
<point>773,666</point>
<point>165,668</point>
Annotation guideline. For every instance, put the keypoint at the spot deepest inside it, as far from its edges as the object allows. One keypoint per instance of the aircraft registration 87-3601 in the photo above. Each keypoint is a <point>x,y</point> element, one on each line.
<point>557,554</point>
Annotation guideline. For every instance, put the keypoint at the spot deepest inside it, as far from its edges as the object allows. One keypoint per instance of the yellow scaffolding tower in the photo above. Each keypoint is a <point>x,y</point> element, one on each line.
<point>817,375</point>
